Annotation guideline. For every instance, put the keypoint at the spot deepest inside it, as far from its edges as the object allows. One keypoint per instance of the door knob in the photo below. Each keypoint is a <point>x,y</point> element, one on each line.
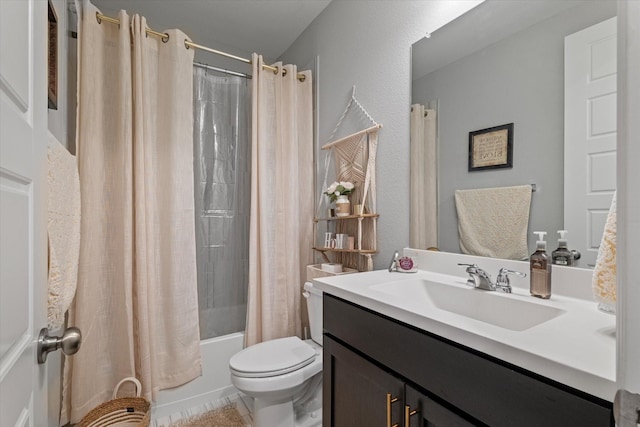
<point>69,342</point>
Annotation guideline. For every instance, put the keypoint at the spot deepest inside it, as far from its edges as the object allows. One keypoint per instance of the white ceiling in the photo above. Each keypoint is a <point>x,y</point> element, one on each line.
<point>480,27</point>
<point>267,27</point>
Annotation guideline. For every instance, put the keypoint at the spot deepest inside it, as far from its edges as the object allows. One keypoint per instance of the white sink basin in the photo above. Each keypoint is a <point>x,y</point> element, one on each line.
<point>507,311</point>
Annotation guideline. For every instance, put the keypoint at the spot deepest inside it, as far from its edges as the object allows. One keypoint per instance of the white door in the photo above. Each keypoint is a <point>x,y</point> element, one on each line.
<point>23,256</point>
<point>628,317</point>
<point>590,135</point>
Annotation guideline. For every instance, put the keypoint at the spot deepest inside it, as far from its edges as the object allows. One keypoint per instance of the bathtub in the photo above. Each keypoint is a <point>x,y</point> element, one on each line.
<point>214,383</point>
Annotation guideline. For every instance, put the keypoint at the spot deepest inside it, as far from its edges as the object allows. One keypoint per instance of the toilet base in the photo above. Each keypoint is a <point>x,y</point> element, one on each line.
<point>271,414</point>
<point>267,414</point>
<point>305,411</point>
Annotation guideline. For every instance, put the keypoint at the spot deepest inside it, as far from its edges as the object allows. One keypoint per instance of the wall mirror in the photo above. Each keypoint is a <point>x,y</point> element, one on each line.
<point>504,62</point>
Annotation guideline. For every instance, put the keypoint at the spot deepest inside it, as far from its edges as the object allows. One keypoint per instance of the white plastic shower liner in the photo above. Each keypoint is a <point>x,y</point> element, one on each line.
<point>222,123</point>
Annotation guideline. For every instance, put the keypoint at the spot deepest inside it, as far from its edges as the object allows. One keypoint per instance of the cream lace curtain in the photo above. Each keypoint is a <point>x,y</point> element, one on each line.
<point>281,230</point>
<point>136,300</point>
<point>423,217</point>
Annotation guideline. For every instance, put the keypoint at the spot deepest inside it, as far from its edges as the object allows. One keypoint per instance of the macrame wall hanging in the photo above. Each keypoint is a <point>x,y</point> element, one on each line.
<point>354,160</point>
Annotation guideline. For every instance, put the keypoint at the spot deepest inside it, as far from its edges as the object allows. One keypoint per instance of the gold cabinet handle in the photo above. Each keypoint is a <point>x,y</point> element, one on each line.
<point>390,400</point>
<point>407,415</point>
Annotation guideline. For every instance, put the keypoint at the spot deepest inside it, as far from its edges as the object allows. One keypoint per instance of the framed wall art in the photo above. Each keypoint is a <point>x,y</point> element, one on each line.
<point>52,62</point>
<point>491,148</point>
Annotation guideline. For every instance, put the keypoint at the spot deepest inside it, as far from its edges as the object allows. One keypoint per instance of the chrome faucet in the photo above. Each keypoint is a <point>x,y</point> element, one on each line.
<point>393,266</point>
<point>502,281</point>
<point>478,278</point>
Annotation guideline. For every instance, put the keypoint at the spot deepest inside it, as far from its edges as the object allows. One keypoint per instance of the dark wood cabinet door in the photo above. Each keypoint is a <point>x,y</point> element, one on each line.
<point>355,390</point>
<point>422,411</point>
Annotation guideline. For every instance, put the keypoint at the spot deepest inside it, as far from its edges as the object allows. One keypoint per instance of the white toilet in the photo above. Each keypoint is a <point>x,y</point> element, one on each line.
<point>284,375</point>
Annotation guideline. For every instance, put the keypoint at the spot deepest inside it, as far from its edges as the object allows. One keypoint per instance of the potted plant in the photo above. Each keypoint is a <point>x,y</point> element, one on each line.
<point>338,192</point>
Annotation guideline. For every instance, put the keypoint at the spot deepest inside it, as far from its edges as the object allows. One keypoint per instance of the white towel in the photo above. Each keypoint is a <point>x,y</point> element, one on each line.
<point>493,222</point>
<point>605,271</point>
<point>63,229</point>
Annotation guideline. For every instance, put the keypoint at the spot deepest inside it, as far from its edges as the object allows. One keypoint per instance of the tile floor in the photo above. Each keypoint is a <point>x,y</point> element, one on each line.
<point>243,403</point>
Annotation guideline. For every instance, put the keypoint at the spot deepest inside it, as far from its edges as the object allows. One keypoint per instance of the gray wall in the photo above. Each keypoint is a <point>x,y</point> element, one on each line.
<point>519,80</point>
<point>368,44</point>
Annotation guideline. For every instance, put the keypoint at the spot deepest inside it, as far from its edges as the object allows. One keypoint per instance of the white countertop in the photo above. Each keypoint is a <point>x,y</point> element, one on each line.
<point>577,348</point>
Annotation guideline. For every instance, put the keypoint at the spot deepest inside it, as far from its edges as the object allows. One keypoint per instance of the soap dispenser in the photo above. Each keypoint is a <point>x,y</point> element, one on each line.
<point>562,255</point>
<point>540,285</point>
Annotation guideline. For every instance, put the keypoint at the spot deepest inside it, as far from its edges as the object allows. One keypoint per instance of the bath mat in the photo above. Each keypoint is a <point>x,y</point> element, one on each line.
<point>227,416</point>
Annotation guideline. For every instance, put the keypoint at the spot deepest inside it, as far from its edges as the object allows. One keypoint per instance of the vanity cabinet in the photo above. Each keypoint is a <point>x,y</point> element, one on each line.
<point>368,355</point>
<point>364,394</point>
<point>421,410</point>
<point>359,390</point>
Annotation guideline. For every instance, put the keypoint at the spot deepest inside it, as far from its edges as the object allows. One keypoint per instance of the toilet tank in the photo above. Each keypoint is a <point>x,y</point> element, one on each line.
<point>314,307</point>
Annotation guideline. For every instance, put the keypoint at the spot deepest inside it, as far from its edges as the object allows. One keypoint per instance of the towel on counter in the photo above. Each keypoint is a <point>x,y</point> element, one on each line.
<point>605,271</point>
<point>493,222</point>
<point>63,229</point>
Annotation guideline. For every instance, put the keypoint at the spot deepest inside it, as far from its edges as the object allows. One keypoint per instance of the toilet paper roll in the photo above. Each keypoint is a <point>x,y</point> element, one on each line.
<point>331,267</point>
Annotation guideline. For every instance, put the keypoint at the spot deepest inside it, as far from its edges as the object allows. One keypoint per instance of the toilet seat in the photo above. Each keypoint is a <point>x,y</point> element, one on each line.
<point>272,358</point>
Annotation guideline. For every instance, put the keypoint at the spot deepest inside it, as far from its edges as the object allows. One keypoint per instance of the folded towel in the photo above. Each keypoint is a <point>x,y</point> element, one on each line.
<point>63,229</point>
<point>604,273</point>
<point>493,222</point>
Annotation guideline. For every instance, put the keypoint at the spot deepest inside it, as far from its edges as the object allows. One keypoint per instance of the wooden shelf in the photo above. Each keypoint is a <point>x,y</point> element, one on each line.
<point>350,251</point>
<point>341,218</point>
<point>358,236</point>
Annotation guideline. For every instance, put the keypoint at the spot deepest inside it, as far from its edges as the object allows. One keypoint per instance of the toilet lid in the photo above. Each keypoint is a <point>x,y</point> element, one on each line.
<point>271,358</point>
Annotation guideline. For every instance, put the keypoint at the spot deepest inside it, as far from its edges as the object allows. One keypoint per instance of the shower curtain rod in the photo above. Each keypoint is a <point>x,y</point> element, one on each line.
<point>189,44</point>
<point>221,70</point>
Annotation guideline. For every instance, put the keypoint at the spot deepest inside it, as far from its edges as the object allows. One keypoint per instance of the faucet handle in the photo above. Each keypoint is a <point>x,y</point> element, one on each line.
<point>471,268</point>
<point>503,276</point>
<point>505,272</point>
<point>393,265</point>
<point>475,269</point>
<point>478,278</point>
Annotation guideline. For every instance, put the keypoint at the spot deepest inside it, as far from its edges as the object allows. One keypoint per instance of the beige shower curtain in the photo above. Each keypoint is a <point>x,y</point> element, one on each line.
<point>423,182</point>
<point>281,230</point>
<point>136,301</point>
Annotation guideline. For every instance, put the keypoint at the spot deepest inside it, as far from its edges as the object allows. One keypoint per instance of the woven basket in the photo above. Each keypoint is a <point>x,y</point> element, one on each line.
<point>120,411</point>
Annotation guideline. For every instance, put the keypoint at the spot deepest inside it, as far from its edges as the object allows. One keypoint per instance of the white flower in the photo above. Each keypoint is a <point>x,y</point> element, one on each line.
<point>337,189</point>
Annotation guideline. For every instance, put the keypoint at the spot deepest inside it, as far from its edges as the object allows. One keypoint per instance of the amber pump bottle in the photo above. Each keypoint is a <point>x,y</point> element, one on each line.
<point>562,255</point>
<point>540,285</point>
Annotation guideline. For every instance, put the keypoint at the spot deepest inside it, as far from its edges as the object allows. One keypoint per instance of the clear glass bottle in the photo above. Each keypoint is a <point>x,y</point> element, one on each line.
<point>540,285</point>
